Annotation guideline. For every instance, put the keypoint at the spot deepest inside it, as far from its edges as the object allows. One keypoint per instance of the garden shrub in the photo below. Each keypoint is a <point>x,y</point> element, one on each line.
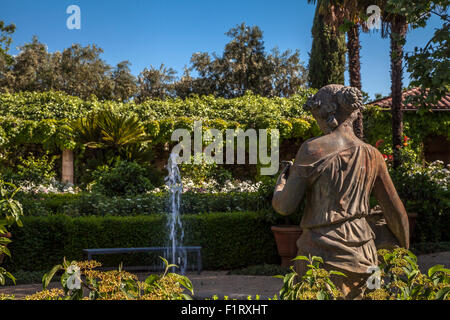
<point>398,278</point>
<point>203,171</point>
<point>112,285</point>
<point>229,240</point>
<point>126,178</point>
<point>425,192</point>
<point>315,284</point>
<point>401,279</point>
<point>31,170</point>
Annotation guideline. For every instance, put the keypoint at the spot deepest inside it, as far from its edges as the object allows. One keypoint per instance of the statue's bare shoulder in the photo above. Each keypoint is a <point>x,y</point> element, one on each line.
<point>310,151</point>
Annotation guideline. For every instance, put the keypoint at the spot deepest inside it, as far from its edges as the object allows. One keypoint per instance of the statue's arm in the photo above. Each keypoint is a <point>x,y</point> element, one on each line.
<point>392,206</point>
<point>289,190</point>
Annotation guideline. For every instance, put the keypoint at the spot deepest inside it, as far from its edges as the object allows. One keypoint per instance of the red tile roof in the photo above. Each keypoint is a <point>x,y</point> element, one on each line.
<point>442,105</point>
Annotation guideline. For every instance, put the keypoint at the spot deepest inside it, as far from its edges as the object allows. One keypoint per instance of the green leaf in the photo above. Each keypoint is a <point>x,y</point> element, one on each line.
<point>185,282</point>
<point>48,276</point>
<point>186,296</point>
<point>152,279</point>
<point>435,269</point>
<point>315,258</point>
<point>338,273</point>
<point>300,258</point>
<point>442,294</point>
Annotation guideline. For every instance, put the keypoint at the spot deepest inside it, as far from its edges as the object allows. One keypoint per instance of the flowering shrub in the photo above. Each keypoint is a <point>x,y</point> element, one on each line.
<point>314,285</point>
<point>436,172</point>
<point>401,279</point>
<point>409,155</point>
<point>112,285</point>
<point>213,186</point>
<point>52,187</point>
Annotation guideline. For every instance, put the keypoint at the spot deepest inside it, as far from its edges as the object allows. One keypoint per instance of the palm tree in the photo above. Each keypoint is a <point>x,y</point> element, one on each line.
<point>336,14</point>
<point>125,135</point>
<point>398,26</point>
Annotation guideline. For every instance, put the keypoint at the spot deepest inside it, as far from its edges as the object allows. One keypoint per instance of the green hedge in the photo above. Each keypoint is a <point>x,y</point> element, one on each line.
<point>86,204</point>
<point>229,240</point>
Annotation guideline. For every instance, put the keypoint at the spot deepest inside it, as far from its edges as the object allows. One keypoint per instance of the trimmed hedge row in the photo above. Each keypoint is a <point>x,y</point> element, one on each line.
<point>229,240</point>
<point>86,204</point>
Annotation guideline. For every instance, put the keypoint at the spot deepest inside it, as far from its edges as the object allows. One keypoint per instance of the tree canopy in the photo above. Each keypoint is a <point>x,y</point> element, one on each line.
<point>80,71</point>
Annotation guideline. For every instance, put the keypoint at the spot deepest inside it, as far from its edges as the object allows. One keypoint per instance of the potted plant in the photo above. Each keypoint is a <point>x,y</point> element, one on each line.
<point>286,237</point>
<point>288,231</point>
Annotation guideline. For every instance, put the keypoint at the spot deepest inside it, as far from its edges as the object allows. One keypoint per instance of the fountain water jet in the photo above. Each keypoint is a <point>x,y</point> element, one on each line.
<point>175,253</point>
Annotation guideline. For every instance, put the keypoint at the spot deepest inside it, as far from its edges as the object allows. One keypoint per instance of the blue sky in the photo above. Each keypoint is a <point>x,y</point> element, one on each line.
<point>150,32</point>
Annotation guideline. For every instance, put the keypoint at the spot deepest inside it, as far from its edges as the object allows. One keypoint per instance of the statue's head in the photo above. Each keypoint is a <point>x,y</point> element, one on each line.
<point>334,105</point>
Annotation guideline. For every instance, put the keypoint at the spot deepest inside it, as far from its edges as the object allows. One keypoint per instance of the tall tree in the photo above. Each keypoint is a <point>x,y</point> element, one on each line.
<point>354,71</point>
<point>245,65</point>
<point>6,60</point>
<point>395,26</point>
<point>429,66</point>
<point>5,41</point>
<point>156,83</point>
<point>327,57</point>
<point>84,73</point>
<point>125,86</point>
<point>33,68</point>
<point>397,38</point>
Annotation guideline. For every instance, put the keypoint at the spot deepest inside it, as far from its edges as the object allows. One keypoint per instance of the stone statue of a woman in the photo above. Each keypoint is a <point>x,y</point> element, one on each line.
<point>337,172</point>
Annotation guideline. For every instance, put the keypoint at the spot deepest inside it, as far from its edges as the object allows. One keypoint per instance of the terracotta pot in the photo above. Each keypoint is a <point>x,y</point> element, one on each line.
<point>5,235</point>
<point>286,237</point>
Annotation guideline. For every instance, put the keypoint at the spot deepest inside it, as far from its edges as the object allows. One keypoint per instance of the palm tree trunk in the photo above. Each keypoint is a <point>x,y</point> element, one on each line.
<point>398,34</point>
<point>354,70</point>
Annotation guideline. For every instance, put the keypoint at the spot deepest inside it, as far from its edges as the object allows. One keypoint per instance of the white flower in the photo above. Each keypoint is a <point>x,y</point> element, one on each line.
<point>74,279</point>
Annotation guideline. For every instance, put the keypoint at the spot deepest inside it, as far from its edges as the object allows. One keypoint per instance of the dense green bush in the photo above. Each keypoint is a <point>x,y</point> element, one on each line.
<point>229,240</point>
<point>429,199</point>
<point>31,170</point>
<point>124,179</point>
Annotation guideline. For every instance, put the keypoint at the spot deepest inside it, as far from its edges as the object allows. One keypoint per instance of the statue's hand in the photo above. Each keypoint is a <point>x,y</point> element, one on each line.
<point>286,165</point>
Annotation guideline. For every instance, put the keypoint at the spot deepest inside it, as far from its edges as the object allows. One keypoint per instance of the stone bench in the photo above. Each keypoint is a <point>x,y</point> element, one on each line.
<point>91,252</point>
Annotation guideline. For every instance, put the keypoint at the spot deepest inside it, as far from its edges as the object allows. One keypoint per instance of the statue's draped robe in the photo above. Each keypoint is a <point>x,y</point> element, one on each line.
<point>337,204</point>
